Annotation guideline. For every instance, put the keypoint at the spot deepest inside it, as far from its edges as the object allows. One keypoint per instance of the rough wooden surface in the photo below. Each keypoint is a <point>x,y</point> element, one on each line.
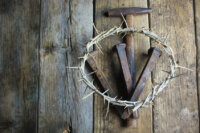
<point>197,29</point>
<point>39,38</point>
<point>19,70</point>
<point>65,28</point>
<point>52,92</point>
<point>176,109</point>
<point>110,65</point>
<point>81,30</point>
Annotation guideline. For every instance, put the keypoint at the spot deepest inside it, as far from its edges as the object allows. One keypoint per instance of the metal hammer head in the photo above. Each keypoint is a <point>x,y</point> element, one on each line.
<point>126,11</point>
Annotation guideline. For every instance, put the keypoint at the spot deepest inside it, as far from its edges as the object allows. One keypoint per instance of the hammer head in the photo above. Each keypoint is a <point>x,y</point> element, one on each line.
<point>126,11</point>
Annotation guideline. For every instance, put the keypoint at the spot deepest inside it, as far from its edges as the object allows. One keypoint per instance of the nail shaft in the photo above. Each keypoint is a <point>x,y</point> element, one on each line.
<point>124,65</point>
<point>156,53</point>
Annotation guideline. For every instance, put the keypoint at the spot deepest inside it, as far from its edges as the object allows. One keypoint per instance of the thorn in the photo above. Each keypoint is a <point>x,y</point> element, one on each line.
<point>107,109</point>
<point>72,67</point>
<point>99,48</point>
<point>184,67</point>
<point>124,20</point>
<point>106,91</point>
<point>123,35</point>
<point>121,24</point>
<point>95,28</point>
<point>80,80</point>
<point>91,73</point>
<point>82,57</point>
<point>88,95</point>
<point>85,89</point>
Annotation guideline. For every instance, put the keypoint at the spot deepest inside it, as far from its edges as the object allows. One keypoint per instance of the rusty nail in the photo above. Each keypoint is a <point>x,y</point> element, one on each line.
<point>124,65</point>
<point>100,75</point>
<point>155,54</point>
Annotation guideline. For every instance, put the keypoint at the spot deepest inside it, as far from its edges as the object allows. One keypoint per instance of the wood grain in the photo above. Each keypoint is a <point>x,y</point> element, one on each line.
<point>110,66</point>
<point>19,64</point>
<point>197,29</point>
<point>52,95</point>
<point>39,38</point>
<point>65,28</point>
<point>81,31</point>
<point>176,108</point>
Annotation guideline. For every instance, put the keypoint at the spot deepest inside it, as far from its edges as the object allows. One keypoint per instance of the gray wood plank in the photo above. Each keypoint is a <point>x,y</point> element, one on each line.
<point>81,30</point>
<point>197,29</point>
<point>65,27</point>
<point>176,108</point>
<point>52,95</point>
<point>19,64</point>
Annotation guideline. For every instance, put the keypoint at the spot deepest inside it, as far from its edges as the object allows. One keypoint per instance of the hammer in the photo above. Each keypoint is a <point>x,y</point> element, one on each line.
<point>129,13</point>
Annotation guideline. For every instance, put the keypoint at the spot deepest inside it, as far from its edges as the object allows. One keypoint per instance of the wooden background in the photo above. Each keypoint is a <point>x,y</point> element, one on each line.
<point>39,38</point>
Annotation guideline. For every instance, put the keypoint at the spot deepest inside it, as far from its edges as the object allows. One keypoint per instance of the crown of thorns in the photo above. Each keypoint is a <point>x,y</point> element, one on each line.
<point>156,89</point>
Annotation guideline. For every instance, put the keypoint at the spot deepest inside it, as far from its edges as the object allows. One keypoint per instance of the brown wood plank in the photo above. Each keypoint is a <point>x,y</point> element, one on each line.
<point>65,28</point>
<point>19,64</point>
<point>176,108</point>
<point>110,65</point>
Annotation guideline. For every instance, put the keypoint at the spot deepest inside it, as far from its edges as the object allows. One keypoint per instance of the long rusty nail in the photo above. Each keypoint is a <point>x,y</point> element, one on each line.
<point>156,53</point>
<point>131,122</point>
<point>101,77</point>
<point>124,65</point>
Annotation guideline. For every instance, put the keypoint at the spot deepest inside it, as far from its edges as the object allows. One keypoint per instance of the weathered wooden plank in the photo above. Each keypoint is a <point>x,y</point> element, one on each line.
<point>65,27</point>
<point>176,109</point>
<point>52,95</point>
<point>110,65</point>
<point>81,30</point>
<point>19,64</point>
<point>197,29</point>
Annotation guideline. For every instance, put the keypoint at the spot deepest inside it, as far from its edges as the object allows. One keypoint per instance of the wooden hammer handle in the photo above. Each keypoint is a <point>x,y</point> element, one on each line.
<point>130,51</point>
<point>131,61</point>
